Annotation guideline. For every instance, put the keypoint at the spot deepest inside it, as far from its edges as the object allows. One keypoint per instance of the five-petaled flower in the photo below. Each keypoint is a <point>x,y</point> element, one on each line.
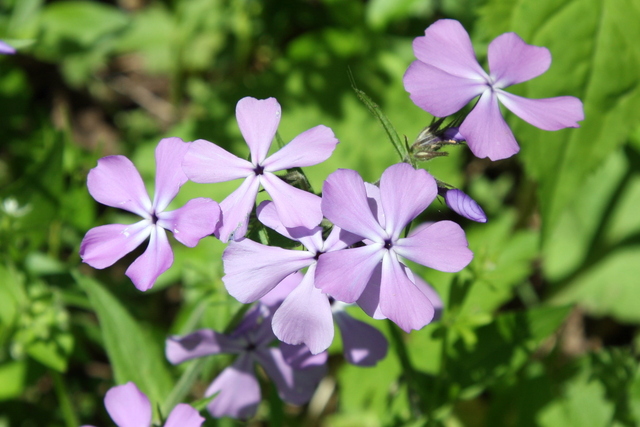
<point>252,270</point>
<point>116,182</point>
<point>373,274</point>
<point>129,407</point>
<point>447,76</point>
<point>258,120</point>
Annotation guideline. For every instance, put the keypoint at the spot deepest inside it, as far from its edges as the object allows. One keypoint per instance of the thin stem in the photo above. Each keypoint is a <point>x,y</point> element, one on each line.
<point>69,415</point>
<point>183,386</point>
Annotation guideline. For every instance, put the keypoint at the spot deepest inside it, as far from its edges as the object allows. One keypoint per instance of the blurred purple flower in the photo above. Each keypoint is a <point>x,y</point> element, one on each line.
<point>373,274</point>
<point>258,121</point>
<point>129,407</point>
<point>116,182</point>
<point>5,49</point>
<point>462,204</point>
<point>447,76</point>
<point>294,370</point>
<point>362,344</point>
<point>252,270</point>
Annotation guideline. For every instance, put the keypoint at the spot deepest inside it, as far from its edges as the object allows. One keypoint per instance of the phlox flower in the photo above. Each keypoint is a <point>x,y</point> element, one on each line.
<point>129,407</point>
<point>293,369</point>
<point>252,270</point>
<point>116,182</point>
<point>258,121</point>
<point>447,76</point>
<point>373,274</point>
<point>6,49</point>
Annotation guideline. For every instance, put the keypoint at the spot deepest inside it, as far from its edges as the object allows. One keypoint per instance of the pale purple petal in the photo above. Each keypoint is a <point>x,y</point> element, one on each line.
<point>307,149</point>
<point>116,182</point>
<point>157,259</point>
<point>252,269</point>
<point>128,406</point>
<point>339,239</point>
<point>344,274</point>
<point>190,223</point>
<point>441,246</point>
<point>464,205</point>
<point>184,415</point>
<point>369,300</point>
<point>258,121</point>
<point>305,316</point>
<point>296,208</point>
<point>486,132</point>
<point>405,193</point>
<point>438,92</point>
<point>205,162</point>
<point>236,209</point>
<point>294,386</point>
<point>344,202</point>
<point>548,113</point>
<point>299,356</point>
<point>429,292</point>
<point>102,246</point>
<point>375,203</point>
<point>400,300</point>
<point>513,61</point>
<point>5,49</point>
<point>169,174</point>
<point>274,298</point>
<point>238,391</point>
<point>362,344</point>
<point>203,342</point>
<point>310,238</point>
<point>446,45</point>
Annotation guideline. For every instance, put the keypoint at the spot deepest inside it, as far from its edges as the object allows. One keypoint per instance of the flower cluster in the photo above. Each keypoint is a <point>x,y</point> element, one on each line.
<point>353,242</point>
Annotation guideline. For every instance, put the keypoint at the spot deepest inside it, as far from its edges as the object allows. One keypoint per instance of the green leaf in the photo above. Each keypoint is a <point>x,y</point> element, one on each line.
<point>83,22</point>
<point>133,355</point>
<point>503,346</point>
<point>53,352</point>
<point>12,379</point>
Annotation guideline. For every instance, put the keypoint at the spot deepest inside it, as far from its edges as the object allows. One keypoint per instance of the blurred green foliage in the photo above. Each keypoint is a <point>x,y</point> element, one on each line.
<point>540,330</point>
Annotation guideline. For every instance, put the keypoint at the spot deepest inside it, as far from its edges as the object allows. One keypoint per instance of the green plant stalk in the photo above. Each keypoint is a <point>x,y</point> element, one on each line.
<point>410,373</point>
<point>385,122</point>
<point>182,387</point>
<point>69,415</point>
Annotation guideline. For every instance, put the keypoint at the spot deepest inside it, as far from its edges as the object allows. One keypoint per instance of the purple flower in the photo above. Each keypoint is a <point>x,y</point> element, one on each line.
<point>116,182</point>
<point>293,369</point>
<point>447,76</point>
<point>129,407</point>
<point>252,270</point>
<point>258,121</point>
<point>362,344</point>
<point>5,49</point>
<point>462,204</point>
<point>376,268</point>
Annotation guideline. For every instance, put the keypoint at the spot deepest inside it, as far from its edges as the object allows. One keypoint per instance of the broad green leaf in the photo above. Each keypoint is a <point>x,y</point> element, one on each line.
<point>83,22</point>
<point>608,288</point>
<point>53,352</point>
<point>595,57</point>
<point>13,376</point>
<point>132,353</point>
<point>503,346</point>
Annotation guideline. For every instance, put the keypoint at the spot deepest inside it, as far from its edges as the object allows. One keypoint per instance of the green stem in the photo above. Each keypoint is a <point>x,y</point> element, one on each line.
<point>180,391</point>
<point>410,373</point>
<point>69,415</point>
<point>395,140</point>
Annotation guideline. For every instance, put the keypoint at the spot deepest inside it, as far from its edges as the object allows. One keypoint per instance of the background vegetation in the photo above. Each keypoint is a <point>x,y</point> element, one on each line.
<point>540,330</point>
